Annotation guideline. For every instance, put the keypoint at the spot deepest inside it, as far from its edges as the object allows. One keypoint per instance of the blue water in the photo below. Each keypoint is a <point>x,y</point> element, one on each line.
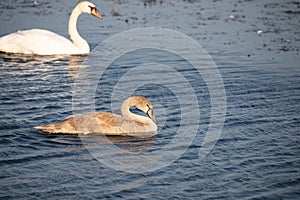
<point>256,156</point>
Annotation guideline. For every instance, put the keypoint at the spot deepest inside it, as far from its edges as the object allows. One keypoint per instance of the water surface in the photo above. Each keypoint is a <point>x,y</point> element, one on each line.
<point>257,155</point>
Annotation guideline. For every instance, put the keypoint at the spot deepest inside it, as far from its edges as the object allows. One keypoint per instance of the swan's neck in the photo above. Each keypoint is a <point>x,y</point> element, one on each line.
<point>134,117</point>
<point>78,41</point>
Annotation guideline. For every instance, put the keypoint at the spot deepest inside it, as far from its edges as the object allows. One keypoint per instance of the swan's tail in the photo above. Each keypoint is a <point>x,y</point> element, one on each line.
<point>51,128</point>
<point>66,126</point>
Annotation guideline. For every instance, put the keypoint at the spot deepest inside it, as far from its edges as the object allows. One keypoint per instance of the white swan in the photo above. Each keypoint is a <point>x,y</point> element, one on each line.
<point>44,42</point>
<point>127,124</point>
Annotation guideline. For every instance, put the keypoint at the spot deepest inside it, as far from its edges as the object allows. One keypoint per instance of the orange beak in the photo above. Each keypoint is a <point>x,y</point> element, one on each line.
<point>96,14</point>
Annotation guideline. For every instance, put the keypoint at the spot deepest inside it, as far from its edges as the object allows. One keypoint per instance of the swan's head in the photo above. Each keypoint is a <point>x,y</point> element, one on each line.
<point>143,104</point>
<point>89,8</point>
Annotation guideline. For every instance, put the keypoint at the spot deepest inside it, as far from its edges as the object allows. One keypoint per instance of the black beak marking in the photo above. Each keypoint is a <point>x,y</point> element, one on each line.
<point>93,9</point>
<point>149,110</point>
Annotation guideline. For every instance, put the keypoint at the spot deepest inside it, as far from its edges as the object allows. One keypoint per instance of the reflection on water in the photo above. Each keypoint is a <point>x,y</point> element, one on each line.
<point>75,63</point>
<point>130,144</point>
<point>38,64</point>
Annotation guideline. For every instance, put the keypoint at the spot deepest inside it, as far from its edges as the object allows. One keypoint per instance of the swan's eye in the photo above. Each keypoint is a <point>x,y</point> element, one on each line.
<point>93,9</point>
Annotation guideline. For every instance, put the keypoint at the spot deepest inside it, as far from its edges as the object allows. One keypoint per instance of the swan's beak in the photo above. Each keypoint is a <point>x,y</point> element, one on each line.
<point>96,13</point>
<point>151,115</point>
<point>153,118</point>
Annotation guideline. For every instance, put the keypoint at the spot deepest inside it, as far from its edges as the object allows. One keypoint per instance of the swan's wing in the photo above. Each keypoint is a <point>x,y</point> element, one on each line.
<point>94,122</point>
<point>99,122</point>
<point>109,123</point>
<point>36,41</point>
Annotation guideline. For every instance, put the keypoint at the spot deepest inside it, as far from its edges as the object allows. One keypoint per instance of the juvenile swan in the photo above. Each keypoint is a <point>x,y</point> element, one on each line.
<point>44,42</point>
<point>127,124</point>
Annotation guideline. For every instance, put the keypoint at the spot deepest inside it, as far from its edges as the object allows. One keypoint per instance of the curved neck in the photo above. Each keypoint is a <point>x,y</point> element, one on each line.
<point>78,41</point>
<point>137,118</point>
